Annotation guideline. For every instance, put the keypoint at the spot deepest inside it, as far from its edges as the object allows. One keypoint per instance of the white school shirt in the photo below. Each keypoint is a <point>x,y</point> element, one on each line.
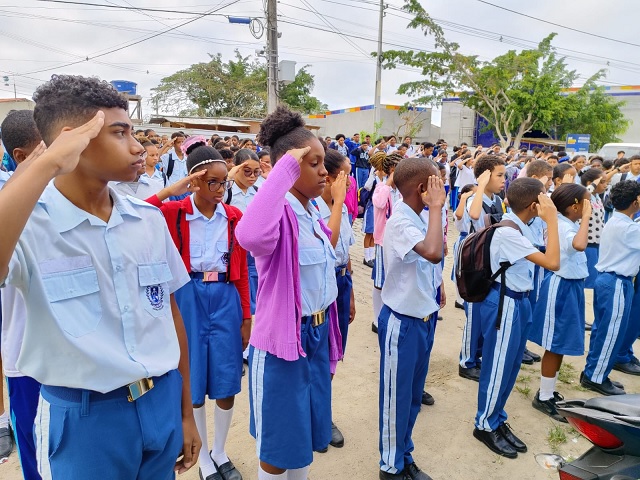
<point>346,238</point>
<point>479,223</point>
<point>317,259</point>
<point>144,188</point>
<point>465,175</point>
<point>4,177</point>
<point>620,246</point>
<point>410,280</point>
<point>179,166</point>
<point>573,264</point>
<point>259,181</point>
<point>97,294</point>
<point>240,199</point>
<point>509,245</point>
<point>538,229</point>
<point>208,239</point>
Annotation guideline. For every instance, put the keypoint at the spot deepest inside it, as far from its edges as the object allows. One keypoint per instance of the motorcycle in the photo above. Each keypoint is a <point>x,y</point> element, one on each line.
<point>612,425</point>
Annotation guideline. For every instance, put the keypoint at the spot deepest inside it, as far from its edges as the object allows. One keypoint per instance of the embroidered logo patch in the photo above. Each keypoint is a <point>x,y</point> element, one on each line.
<point>155,295</point>
<point>225,258</point>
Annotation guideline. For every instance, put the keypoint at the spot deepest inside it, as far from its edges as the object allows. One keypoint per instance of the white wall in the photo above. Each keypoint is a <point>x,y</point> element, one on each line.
<point>19,104</point>
<point>631,111</point>
<point>457,123</point>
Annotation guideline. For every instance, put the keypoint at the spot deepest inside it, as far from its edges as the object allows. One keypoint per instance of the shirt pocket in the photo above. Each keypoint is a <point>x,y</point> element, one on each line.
<point>222,252</point>
<point>75,299</point>
<point>154,293</point>
<point>195,250</point>
<point>312,262</point>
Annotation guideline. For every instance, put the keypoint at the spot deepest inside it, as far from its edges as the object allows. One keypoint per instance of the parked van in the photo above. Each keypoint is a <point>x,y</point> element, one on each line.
<point>610,150</point>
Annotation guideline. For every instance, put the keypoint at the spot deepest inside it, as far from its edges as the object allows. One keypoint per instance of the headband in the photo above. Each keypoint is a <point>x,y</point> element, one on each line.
<point>191,140</point>
<point>205,162</point>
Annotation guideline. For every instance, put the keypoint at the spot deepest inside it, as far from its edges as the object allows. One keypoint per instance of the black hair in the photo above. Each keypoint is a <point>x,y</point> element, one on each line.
<point>465,144</point>
<point>71,100</point>
<point>553,156</point>
<point>199,152</point>
<point>596,157</point>
<point>333,162</point>
<point>524,150</point>
<point>539,168</point>
<point>546,150</point>
<point>357,133</point>
<point>226,153</point>
<point>486,162</point>
<point>148,131</point>
<point>441,166</point>
<point>467,188</point>
<point>412,171</point>
<point>139,131</point>
<point>148,143</point>
<point>621,152</point>
<point>235,136</point>
<point>339,136</point>
<point>562,153</point>
<point>566,195</point>
<point>220,144</point>
<point>456,148</point>
<point>607,164</point>
<point>618,162</point>
<point>590,176</point>
<point>177,134</point>
<point>623,194</point>
<point>245,154</point>
<point>19,130</point>
<point>536,150</point>
<point>282,131</point>
<point>576,157</point>
<point>404,145</point>
<point>561,169</point>
<point>379,141</point>
<point>523,192</point>
<point>426,145</point>
<point>634,157</point>
<point>265,152</point>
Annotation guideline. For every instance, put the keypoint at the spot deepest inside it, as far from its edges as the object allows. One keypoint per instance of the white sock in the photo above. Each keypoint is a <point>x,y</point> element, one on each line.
<point>547,387</point>
<point>377,304</point>
<point>4,420</point>
<point>206,464</point>
<point>372,253</point>
<point>221,424</point>
<point>367,255</point>
<point>298,473</point>
<point>245,354</point>
<point>262,475</point>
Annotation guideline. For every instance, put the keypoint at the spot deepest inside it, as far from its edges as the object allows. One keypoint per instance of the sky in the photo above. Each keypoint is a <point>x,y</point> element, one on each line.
<point>39,38</point>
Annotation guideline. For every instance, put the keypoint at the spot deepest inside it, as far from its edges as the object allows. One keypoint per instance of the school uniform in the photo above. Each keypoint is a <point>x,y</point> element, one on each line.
<point>619,262</point>
<point>343,275</point>
<point>384,199</point>
<point>144,187</point>
<point>537,231</point>
<point>371,183</point>
<point>625,354</point>
<point>503,348</point>
<point>559,314</point>
<point>596,225</point>
<point>179,171</point>
<point>98,311</point>
<point>405,335</point>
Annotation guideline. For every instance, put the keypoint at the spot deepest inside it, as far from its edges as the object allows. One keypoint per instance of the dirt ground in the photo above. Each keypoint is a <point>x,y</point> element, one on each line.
<point>444,446</point>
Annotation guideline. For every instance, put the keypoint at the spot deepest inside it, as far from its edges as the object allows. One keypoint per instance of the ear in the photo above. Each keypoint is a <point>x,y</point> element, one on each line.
<point>19,155</point>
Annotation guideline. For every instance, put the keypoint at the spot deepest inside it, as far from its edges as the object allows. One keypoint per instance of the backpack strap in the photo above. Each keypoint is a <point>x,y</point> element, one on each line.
<point>171,164</point>
<point>164,178</point>
<point>502,272</point>
<point>228,197</point>
<point>179,230</point>
<point>623,177</point>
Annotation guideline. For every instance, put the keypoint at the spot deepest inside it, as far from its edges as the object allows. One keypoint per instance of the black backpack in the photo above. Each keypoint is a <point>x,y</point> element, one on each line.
<point>170,166</point>
<point>473,268</point>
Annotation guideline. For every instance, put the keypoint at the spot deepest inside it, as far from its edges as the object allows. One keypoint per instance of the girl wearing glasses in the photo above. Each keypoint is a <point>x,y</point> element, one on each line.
<point>215,304</point>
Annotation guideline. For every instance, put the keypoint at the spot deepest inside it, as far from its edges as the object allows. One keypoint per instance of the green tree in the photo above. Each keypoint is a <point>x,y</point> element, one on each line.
<point>237,88</point>
<point>516,92</point>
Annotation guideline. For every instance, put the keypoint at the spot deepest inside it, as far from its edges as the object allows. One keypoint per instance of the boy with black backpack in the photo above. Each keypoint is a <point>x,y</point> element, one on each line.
<point>174,162</point>
<point>505,334</point>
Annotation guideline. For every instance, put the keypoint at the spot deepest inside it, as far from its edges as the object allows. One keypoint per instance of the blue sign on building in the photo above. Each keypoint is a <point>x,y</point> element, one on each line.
<point>578,142</point>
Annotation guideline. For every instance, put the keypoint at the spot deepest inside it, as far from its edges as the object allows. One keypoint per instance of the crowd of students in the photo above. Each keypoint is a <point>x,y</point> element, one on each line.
<point>112,339</point>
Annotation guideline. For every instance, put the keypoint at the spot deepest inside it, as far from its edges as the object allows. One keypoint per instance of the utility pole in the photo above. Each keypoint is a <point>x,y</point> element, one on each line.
<point>376,107</point>
<point>272,55</point>
<point>15,93</point>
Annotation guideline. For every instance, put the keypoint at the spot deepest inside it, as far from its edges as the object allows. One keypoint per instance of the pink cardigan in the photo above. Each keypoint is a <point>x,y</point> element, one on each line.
<point>269,230</point>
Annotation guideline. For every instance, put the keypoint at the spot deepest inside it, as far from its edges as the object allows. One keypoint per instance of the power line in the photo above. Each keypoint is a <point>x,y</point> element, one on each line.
<point>123,7</point>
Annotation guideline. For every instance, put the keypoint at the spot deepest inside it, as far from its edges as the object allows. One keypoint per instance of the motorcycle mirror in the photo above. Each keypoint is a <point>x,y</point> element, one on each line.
<point>549,461</point>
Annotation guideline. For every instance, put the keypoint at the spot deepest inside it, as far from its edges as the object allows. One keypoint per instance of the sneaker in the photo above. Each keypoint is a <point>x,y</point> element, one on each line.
<point>548,407</point>
<point>6,443</point>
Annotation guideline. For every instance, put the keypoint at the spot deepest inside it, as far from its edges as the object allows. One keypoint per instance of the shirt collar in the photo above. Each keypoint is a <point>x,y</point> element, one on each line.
<point>410,214</point>
<point>298,208</point>
<point>513,217</point>
<point>622,216</point>
<point>156,174</point>
<point>235,189</point>
<point>198,214</point>
<point>562,218</point>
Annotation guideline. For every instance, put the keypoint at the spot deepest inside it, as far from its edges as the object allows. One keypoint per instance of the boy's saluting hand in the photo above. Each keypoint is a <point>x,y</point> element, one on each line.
<point>66,149</point>
<point>435,195</point>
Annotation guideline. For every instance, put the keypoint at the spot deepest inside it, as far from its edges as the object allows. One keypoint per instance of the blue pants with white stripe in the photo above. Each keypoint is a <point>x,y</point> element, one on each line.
<point>633,327</point>
<point>613,295</point>
<point>471,337</point>
<point>501,355</point>
<point>405,348</point>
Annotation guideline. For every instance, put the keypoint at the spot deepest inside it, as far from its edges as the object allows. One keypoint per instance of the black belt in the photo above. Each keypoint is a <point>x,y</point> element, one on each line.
<point>593,245</point>
<point>209,276</point>
<point>510,293</point>
<point>341,271</point>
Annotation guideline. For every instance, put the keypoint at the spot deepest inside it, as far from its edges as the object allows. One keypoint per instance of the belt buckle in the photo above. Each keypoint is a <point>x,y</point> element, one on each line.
<point>139,388</point>
<point>343,271</point>
<point>317,318</point>
<point>209,276</point>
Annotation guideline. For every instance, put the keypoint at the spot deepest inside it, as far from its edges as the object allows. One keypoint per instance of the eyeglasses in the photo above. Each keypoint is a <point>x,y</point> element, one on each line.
<point>215,186</point>
<point>251,173</point>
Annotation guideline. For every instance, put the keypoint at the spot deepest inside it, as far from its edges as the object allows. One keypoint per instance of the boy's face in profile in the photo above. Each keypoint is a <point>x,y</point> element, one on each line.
<point>496,183</point>
<point>115,154</point>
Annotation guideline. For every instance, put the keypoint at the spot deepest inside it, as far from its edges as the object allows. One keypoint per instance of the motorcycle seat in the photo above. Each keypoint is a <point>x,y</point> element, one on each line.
<point>627,405</point>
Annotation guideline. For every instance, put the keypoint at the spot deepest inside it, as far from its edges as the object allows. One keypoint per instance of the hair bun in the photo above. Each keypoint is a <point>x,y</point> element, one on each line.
<point>191,143</point>
<point>278,124</point>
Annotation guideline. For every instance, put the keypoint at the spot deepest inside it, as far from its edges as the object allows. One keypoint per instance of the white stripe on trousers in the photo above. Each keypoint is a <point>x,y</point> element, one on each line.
<point>42,424</point>
<point>613,330</point>
<point>389,434</point>
<point>550,313</point>
<point>257,393</point>
<point>497,367</point>
<point>465,354</point>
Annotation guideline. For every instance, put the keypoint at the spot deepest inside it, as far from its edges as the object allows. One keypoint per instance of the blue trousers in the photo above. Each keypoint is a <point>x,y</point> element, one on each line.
<point>345,286</point>
<point>82,434</point>
<point>625,355</point>
<point>24,393</point>
<point>405,347</point>
<point>612,300</point>
<point>453,199</point>
<point>471,337</point>
<point>253,281</point>
<point>501,355</point>
<point>362,174</point>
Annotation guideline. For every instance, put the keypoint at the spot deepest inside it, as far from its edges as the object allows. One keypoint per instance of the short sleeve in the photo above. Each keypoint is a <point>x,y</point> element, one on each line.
<point>18,271</point>
<point>513,246</point>
<point>176,265</point>
<point>406,236</point>
<point>632,236</point>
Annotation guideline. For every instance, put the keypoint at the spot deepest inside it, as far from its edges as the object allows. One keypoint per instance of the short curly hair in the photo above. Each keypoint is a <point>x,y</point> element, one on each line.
<point>283,130</point>
<point>71,100</point>
<point>486,162</point>
<point>623,194</point>
<point>19,131</point>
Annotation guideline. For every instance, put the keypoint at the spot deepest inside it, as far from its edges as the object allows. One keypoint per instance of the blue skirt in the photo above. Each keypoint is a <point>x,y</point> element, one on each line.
<point>377,274</point>
<point>253,281</point>
<point>345,286</point>
<point>559,316</point>
<point>367,221</point>
<point>593,253</point>
<point>212,318</point>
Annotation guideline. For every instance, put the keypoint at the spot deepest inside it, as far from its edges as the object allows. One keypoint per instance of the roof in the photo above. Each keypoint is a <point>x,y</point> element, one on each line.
<point>212,122</point>
<point>14,100</point>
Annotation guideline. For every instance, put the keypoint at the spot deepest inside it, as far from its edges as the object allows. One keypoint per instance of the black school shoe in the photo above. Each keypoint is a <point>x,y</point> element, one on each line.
<point>604,388</point>
<point>505,430</point>
<point>548,407</point>
<point>414,473</point>
<point>337,439</point>
<point>6,443</point>
<point>459,305</point>
<point>427,399</point>
<point>629,368</point>
<point>393,476</point>
<point>527,359</point>
<point>496,443</point>
<point>472,373</point>
<point>374,328</point>
<point>213,476</point>
<point>534,356</point>
<point>228,471</point>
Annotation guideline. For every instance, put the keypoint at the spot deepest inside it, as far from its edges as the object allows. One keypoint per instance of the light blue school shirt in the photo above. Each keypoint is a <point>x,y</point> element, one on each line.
<point>620,246</point>
<point>179,166</point>
<point>97,294</point>
<point>317,260</point>
<point>573,264</point>
<point>477,224</point>
<point>509,245</point>
<point>4,177</point>
<point>410,280</point>
<point>208,239</point>
<point>240,199</point>
<point>346,238</point>
<point>144,188</point>
<point>538,227</point>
